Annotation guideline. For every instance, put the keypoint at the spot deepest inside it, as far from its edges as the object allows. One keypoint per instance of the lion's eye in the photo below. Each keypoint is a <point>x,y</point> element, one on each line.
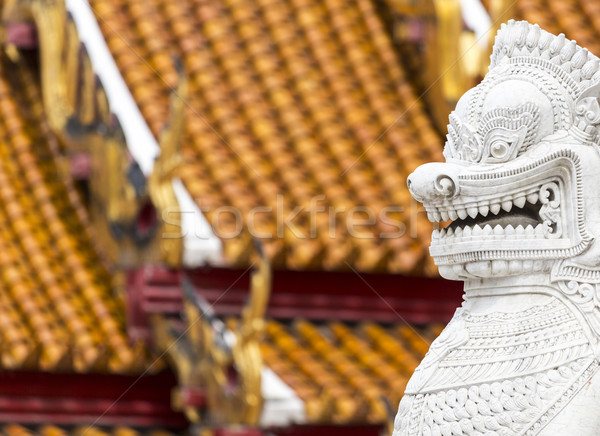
<point>508,132</point>
<point>503,134</point>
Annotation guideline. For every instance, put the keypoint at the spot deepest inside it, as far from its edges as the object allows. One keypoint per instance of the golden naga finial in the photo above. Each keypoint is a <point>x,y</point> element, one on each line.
<point>79,114</point>
<point>219,362</point>
<point>69,85</point>
<point>165,170</point>
<point>50,18</point>
<point>246,352</point>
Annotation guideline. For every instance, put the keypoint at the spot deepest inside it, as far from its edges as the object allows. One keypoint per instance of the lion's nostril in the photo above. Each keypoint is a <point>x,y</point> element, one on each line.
<point>433,181</point>
<point>445,186</point>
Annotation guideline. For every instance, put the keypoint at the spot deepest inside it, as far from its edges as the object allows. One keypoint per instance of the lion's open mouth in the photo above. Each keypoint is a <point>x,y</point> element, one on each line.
<point>508,221</point>
<point>528,215</point>
<point>531,215</point>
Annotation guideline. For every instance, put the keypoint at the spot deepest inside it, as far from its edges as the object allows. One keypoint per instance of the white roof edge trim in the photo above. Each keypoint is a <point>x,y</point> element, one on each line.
<point>282,406</point>
<point>141,142</point>
<point>200,246</point>
<point>477,19</point>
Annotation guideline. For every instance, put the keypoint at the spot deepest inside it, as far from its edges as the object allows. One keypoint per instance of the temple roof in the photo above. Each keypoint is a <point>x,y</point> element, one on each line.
<point>293,106</point>
<point>579,20</point>
<point>346,373</point>
<point>59,309</point>
<point>51,430</point>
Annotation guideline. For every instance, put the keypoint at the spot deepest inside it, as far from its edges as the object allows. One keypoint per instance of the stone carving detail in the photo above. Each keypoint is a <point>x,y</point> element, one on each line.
<point>550,210</point>
<point>504,133</point>
<point>515,406</point>
<point>521,187</point>
<point>498,372</point>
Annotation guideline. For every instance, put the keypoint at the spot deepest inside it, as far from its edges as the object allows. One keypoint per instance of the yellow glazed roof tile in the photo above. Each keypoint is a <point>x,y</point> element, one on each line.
<point>51,430</point>
<point>345,373</point>
<point>294,106</point>
<point>579,20</point>
<point>58,308</point>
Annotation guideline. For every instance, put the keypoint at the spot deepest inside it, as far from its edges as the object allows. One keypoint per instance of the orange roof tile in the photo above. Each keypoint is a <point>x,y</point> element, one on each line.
<point>579,20</point>
<point>289,101</point>
<point>58,307</point>
<point>51,430</point>
<point>345,374</point>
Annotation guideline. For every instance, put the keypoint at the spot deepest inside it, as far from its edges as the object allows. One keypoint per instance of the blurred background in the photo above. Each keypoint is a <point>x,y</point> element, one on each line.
<point>205,227</point>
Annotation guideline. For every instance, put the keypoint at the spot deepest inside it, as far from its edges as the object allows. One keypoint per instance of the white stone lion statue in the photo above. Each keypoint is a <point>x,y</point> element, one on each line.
<point>521,187</point>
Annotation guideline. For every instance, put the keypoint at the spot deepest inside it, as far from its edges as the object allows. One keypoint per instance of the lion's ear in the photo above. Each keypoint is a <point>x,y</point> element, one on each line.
<point>586,119</point>
<point>584,267</point>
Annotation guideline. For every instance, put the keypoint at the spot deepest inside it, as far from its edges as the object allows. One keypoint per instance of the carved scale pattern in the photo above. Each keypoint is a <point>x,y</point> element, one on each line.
<point>519,406</point>
<point>520,368</point>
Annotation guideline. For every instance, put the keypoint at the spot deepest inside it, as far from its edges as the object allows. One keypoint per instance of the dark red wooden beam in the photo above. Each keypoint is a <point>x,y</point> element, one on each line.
<point>35,398</point>
<point>304,430</point>
<point>308,294</point>
<point>329,430</point>
<point>85,399</point>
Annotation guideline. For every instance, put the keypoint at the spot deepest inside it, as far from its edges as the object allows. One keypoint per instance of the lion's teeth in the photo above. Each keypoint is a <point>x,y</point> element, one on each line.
<point>477,231</point>
<point>499,267</point>
<point>444,215</point>
<point>487,230</point>
<point>452,214</point>
<point>472,211</point>
<point>483,210</point>
<point>515,266</point>
<point>498,230</point>
<point>533,198</point>
<point>447,271</point>
<point>479,269</point>
<point>507,205</point>
<point>529,230</point>
<point>519,201</point>
<point>459,270</point>
<point>462,213</point>
<point>495,208</point>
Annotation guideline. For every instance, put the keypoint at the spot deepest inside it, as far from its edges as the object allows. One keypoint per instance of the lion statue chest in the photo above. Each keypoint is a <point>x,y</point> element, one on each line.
<point>505,373</point>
